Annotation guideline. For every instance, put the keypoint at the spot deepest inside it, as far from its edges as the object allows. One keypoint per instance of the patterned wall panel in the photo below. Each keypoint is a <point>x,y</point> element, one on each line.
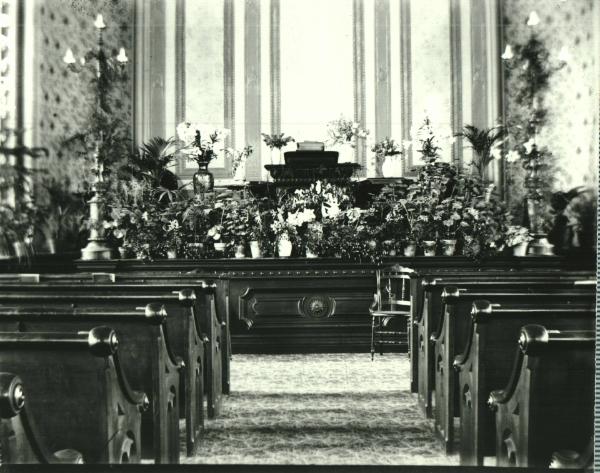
<point>572,101</point>
<point>64,98</point>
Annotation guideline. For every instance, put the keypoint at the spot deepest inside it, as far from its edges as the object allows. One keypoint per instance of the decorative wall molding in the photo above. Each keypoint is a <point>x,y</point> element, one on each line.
<point>360,108</point>
<point>406,80</point>
<point>150,70</point>
<point>383,91</point>
<point>486,71</point>
<point>180,61</point>
<point>275,50</point>
<point>252,88</point>
<point>456,64</point>
<point>229,70</point>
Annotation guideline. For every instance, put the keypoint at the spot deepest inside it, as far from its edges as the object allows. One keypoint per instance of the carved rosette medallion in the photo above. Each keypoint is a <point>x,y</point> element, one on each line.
<point>317,306</point>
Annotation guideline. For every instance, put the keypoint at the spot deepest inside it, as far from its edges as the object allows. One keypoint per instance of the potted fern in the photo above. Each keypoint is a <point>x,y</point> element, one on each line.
<point>486,146</point>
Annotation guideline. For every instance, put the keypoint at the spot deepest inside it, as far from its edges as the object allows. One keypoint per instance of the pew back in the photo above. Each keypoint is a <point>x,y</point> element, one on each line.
<point>77,393</point>
<point>486,362</point>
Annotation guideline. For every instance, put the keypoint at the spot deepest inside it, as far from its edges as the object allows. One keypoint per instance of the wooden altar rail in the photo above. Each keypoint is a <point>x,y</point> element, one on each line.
<point>300,304</point>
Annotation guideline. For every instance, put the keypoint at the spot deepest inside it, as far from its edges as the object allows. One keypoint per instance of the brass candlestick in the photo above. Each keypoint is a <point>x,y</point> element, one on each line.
<point>106,69</point>
<point>539,245</point>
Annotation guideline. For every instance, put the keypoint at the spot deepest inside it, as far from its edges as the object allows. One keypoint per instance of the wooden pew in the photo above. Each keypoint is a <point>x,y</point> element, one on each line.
<point>190,317</point>
<point>548,403</point>
<point>450,338</point>
<point>171,281</point>
<point>19,437</point>
<point>144,357</point>
<point>427,318</point>
<point>428,271</point>
<point>487,360</point>
<point>77,397</point>
<point>571,459</point>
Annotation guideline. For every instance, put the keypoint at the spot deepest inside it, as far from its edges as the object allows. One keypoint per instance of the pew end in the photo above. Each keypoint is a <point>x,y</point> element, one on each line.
<point>550,392</point>
<point>74,373</point>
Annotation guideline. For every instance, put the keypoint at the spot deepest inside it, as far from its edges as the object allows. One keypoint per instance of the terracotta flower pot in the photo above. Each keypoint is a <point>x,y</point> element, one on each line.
<point>240,251</point>
<point>521,249</point>
<point>284,246</point>
<point>310,254</point>
<point>410,249</point>
<point>429,247</point>
<point>220,246</point>
<point>448,247</point>
<point>255,249</point>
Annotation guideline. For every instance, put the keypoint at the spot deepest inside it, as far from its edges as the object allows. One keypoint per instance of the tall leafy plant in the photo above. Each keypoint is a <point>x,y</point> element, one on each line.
<point>484,142</point>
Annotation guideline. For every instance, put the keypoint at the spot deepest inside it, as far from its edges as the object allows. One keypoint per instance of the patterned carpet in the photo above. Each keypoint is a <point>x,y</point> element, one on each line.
<point>320,409</point>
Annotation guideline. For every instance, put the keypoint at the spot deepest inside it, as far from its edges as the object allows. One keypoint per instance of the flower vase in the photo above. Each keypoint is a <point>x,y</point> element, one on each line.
<point>240,251</point>
<point>429,247</point>
<point>410,249</point>
<point>520,249</point>
<point>284,246</point>
<point>448,247</point>
<point>220,246</point>
<point>255,249</point>
<point>20,249</point>
<point>123,252</point>
<point>51,246</point>
<point>240,172</point>
<point>203,179</point>
<point>172,254</point>
<point>391,166</point>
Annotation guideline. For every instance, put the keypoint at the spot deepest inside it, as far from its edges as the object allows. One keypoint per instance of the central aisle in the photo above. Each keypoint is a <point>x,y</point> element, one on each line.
<point>320,409</point>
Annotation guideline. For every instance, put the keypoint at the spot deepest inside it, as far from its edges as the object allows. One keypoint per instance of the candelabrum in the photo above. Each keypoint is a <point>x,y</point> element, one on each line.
<point>107,69</point>
<point>539,245</point>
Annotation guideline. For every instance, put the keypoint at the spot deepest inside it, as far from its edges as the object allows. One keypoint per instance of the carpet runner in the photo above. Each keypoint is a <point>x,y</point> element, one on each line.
<point>320,409</point>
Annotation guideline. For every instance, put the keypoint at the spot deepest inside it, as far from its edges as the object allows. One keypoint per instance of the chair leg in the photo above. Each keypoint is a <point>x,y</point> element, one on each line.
<point>372,338</point>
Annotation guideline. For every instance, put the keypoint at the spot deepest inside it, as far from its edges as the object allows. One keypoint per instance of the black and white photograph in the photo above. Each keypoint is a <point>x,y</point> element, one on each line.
<point>299,235</point>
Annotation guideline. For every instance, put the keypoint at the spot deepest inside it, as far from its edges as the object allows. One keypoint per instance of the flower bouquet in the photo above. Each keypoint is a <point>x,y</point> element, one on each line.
<point>343,131</point>
<point>199,142</point>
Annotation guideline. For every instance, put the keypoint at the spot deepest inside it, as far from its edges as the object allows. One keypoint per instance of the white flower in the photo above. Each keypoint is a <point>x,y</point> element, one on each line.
<point>173,225</point>
<point>186,131</point>
<point>473,212</point>
<point>496,152</point>
<point>529,145</point>
<point>513,156</point>
<point>330,210</point>
<point>145,216</point>
<point>353,214</point>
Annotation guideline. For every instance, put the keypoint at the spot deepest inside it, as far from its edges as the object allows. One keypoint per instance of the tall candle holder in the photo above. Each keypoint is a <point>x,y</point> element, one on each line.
<point>533,65</point>
<point>539,245</point>
<point>107,70</point>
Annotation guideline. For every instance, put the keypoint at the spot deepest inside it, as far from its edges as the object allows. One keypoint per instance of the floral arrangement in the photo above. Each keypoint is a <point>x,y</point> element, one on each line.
<point>276,140</point>
<point>239,158</point>
<point>428,141</point>
<point>387,147</point>
<point>516,235</point>
<point>384,148</point>
<point>199,141</point>
<point>284,226</point>
<point>343,131</point>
